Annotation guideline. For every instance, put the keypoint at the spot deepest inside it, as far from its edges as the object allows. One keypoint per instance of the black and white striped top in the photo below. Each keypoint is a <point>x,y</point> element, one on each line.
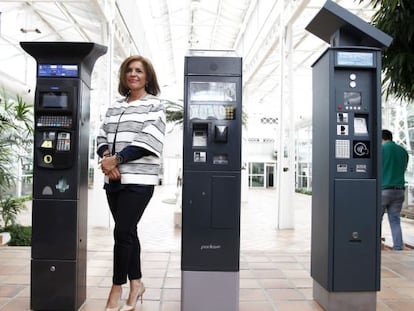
<point>138,123</point>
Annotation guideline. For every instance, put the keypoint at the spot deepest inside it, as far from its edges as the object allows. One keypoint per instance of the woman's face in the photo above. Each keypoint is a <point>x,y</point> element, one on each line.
<point>136,76</point>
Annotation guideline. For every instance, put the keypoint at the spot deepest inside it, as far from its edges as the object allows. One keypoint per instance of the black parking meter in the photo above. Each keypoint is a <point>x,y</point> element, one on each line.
<point>60,172</point>
<point>346,161</point>
<point>211,182</point>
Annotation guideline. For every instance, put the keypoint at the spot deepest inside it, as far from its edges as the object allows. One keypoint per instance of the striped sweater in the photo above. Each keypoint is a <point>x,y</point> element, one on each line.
<point>139,123</point>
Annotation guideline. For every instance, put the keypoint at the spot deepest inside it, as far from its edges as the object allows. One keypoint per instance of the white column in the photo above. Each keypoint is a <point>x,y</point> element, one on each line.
<point>98,210</point>
<point>285,184</point>
<point>245,152</point>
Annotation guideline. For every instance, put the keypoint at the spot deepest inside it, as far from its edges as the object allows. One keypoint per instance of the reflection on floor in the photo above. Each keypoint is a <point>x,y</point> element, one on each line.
<point>274,265</point>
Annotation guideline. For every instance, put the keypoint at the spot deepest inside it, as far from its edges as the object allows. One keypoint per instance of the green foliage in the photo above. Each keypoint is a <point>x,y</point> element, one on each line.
<point>19,235</point>
<point>395,17</point>
<point>16,136</point>
<point>10,208</point>
<point>304,191</point>
<point>174,112</point>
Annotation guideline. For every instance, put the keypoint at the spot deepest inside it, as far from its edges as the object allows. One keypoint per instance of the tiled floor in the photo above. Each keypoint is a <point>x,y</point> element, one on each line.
<point>274,265</point>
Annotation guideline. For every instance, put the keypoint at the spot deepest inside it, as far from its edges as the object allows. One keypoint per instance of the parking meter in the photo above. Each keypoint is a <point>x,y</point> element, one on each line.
<point>346,161</point>
<point>211,181</point>
<point>60,172</point>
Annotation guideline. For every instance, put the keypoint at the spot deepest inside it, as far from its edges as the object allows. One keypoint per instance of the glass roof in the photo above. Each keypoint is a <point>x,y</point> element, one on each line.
<point>165,31</point>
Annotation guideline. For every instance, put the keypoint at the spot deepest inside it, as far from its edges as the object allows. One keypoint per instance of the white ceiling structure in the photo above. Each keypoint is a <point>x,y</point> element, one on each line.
<point>164,31</point>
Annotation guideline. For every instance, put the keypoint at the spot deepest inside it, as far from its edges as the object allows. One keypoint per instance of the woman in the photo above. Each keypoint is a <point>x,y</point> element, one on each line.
<point>130,143</point>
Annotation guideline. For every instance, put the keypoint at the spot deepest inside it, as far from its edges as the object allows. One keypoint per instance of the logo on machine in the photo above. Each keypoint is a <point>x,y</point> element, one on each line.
<point>210,247</point>
<point>361,149</point>
<point>62,185</point>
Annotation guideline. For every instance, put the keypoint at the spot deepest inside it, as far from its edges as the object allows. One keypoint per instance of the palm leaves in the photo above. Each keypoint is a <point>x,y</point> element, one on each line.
<point>16,136</point>
<point>174,112</point>
<point>395,17</point>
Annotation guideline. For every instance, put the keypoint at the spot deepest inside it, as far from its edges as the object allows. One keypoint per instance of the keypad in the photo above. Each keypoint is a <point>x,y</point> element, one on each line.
<point>342,149</point>
<point>54,121</point>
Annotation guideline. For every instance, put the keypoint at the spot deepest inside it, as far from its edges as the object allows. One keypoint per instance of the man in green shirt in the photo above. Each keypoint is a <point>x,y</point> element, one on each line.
<point>394,165</point>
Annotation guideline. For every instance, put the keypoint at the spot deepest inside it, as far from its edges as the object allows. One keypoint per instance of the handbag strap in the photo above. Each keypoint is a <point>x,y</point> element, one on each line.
<point>116,132</point>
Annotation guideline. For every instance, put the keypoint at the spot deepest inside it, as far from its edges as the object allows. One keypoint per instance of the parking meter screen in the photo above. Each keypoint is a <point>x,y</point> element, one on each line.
<point>352,99</point>
<point>57,70</point>
<point>54,100</point>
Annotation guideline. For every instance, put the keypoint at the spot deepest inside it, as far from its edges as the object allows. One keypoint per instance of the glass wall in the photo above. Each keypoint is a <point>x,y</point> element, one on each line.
<point>409,176</point>
<point>303,163</point>
<point>262,175</point>
<point>256,174</point>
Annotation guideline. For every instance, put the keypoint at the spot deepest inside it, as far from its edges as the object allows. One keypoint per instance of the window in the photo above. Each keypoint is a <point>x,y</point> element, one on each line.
<point>256,174</point>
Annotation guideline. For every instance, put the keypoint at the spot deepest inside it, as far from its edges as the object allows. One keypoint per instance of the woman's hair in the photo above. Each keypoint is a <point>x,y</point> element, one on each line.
<point>151,86</point>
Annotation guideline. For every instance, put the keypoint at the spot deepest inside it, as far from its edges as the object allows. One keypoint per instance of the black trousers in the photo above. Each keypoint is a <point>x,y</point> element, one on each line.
<point>127,207</point>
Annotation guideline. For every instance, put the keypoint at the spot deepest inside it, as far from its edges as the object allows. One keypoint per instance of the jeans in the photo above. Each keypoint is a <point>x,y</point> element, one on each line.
<point>127,208</point>
<point>392,201</point>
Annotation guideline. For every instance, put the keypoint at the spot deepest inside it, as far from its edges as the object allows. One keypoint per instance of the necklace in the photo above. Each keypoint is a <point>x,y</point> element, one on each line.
<point>130,99</point>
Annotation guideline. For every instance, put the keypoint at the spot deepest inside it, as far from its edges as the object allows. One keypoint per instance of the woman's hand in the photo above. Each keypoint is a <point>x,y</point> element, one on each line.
<point>114,174</point>
<point>109,167</point>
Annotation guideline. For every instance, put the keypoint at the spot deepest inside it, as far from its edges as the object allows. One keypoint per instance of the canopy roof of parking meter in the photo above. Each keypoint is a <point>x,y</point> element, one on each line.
<point>84,53</point>
<point>339,27</point>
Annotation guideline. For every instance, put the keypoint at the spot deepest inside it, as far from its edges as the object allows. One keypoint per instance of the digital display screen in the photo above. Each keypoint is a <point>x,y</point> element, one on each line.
<point>53,100</point>
<point>213,91</point>
<point>362,59</point>
<point>352,99</point>
<point>56,70</point>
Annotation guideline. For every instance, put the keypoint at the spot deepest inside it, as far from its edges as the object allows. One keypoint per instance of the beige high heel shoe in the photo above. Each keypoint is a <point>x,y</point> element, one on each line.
<point>141,291</point>
<point>118,304</point>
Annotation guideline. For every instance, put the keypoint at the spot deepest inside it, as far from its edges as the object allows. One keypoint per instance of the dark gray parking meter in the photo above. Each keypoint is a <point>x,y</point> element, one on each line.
<point>60,172</point>
<point>211,182</point>
<point>346,161</point>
